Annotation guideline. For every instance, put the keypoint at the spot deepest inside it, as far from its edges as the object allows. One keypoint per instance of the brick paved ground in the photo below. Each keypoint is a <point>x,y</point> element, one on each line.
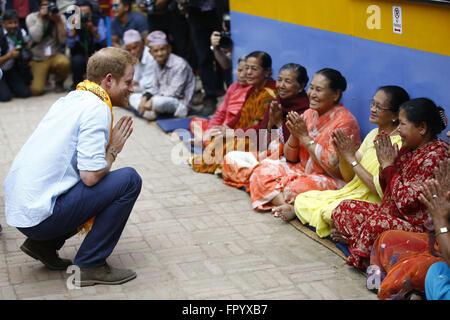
<point>188,237</point>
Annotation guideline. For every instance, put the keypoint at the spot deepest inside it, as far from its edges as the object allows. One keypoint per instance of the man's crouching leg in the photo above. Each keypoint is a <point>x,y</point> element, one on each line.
<point>125,184</point>
<point>110,201</point>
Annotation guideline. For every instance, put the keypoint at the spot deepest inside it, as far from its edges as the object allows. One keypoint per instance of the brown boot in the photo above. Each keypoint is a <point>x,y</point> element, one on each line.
<point>105,275</point>
<point>44,252</point>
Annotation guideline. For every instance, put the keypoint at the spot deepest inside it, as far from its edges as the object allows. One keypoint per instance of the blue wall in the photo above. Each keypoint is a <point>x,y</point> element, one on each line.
<point>366,64</point>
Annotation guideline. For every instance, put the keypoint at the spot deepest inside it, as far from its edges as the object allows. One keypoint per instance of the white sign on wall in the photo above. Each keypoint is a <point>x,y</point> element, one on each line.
<point>397,19</point>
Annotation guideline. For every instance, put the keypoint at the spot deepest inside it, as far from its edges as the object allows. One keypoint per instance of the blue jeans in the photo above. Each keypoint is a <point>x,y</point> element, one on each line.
<point>110,201</point>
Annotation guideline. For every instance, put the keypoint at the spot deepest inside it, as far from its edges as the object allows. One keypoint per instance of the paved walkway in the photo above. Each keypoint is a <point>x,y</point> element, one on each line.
<point>189,235</point>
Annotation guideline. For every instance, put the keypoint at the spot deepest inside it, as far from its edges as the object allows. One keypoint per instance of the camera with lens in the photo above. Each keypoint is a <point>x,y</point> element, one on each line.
<point>84,17</point>
<point>225,36</point>
<point>24,55</point>
<point>150,5</point>
<point>183,4</point>
<point>52,8</point>
<point>225,39</point>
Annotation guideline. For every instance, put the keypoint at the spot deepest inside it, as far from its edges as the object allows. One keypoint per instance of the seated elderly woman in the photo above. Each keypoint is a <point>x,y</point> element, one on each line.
<point>258,66</point>
<point>408,263</point>
<point>358,166</point>
<point>359,223</point>
<point>228,112</point>
<point>272,132</point>
<point>311,161</point>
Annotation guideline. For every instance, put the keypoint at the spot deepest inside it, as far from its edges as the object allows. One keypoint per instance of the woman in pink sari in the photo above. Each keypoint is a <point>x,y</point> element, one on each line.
<point>228,112</point>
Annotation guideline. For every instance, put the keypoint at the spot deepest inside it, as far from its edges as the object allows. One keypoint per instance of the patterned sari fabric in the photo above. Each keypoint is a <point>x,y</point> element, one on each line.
<point>400,209</point>
<point>227,114</point>
<point>251,114</point>
<point>273,177</point>
<point>315,207</point>
<point>238,166</point>
<point>403,259</point>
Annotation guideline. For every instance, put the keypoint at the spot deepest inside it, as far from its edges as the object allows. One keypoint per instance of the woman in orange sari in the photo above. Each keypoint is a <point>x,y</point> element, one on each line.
<point>258,66</point>
<point>311,162</point>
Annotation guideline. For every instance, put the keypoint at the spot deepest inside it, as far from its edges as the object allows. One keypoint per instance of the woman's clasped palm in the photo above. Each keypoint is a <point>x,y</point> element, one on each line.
<point>344,144</point>
<point>387,152</point>
<point>296,125</point>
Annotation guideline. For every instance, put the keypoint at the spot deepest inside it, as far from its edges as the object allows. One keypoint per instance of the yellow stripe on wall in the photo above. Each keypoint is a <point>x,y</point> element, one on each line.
<point>425,26</point>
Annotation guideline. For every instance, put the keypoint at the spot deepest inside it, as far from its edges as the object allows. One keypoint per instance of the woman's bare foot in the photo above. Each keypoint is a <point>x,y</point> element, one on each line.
<point>285,212</point>
<point>338,237</point>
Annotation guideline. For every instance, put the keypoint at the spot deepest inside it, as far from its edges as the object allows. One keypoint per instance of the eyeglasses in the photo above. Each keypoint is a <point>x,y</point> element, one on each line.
<point>114,6</point>
<point>377,105</point>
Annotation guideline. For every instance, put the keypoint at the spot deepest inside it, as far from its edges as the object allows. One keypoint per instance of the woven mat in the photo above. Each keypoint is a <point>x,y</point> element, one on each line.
<point>325,242</point>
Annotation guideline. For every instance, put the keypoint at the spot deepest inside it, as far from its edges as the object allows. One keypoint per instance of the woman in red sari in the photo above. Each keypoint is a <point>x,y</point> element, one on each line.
<point>402,173</point>
<point>402,259</point>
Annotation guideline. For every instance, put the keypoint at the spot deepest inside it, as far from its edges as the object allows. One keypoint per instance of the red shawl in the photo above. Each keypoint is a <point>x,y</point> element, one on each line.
<point>299,103</point>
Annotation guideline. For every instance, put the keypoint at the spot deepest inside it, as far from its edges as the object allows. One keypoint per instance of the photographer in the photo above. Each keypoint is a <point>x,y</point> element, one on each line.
<point>222,46</point>
<point>203,20</point>
<point>222,52</point>
<point>47,31</point>
<point>164,15</point>
<point>14,56</point>
<point>85,40</point>
<point>24,8</point>
<point>125,19</point>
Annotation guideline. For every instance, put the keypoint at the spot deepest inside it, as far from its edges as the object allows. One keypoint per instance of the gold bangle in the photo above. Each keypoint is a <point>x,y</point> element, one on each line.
<point>291,146</point>
<point>310,143</point>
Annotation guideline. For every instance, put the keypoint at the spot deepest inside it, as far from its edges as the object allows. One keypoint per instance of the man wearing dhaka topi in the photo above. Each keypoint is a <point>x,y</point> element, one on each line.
<point>61,181</point>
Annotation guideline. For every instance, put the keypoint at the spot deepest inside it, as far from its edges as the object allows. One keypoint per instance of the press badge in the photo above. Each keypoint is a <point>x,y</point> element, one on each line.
<point>47,51</point>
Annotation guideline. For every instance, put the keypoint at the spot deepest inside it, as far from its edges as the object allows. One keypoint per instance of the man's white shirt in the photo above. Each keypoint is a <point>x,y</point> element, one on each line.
<point>72,136</point>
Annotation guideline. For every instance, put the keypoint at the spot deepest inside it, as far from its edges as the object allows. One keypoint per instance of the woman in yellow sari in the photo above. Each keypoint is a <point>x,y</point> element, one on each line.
<point>359,167</point>
<point>258,66</point>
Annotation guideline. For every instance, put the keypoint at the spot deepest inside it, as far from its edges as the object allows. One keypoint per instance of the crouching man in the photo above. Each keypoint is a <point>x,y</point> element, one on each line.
<point>61,180</point>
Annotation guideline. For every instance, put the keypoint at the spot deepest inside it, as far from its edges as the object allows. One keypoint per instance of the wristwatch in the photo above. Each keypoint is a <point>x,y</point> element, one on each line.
<point>354,163</point>
<point>441,231</point>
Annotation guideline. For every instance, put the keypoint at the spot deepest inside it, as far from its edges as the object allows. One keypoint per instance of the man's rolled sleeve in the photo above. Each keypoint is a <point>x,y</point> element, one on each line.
<point>93,138</point>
